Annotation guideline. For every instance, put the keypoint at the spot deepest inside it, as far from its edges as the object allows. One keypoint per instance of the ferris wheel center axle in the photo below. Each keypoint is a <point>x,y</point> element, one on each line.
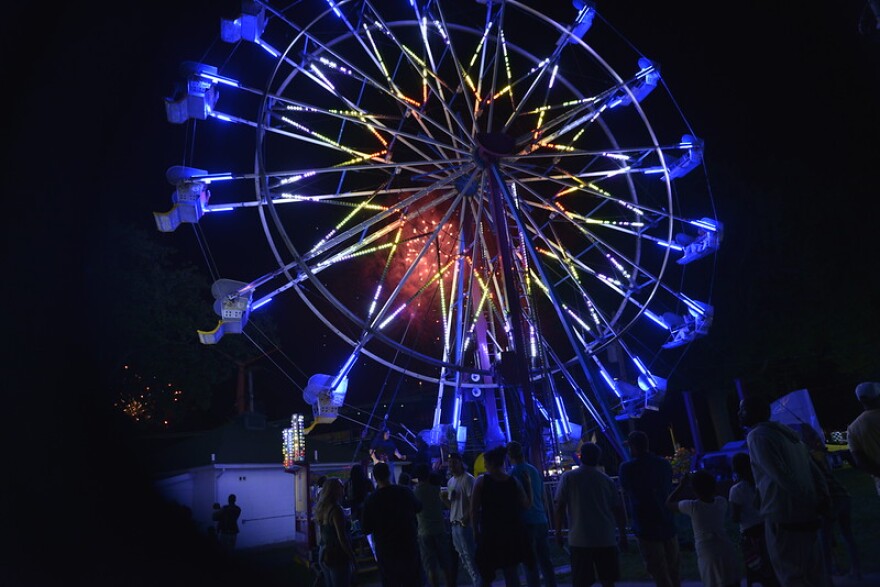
<point>491,147</point>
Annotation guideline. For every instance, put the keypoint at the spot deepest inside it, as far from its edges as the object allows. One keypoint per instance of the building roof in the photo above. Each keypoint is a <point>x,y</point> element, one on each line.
<point>246,440</point>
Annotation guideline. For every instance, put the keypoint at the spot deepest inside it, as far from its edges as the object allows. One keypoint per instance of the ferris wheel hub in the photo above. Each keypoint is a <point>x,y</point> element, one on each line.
<point>493,147</point>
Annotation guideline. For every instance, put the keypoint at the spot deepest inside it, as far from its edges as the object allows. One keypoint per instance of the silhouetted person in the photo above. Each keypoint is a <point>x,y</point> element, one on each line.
<point>215,519</point>
<point>793,495</point>
<point>717,559</point>
<point>334,540</point>
<point>227,525</point>
<point>838,515</point>
<point>390,516</point>
<point>743,498</point>
<point>435,543</point>
<point>535,517</point>
<point>591,502</point>
<point>496,509</point>
<point>458,496</point>
<point>357,488</point>
<point>646,480</point>
<point>863,434</point>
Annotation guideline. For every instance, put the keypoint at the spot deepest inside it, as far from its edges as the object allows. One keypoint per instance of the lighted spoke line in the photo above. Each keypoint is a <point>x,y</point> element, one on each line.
<point>414,264</point>
<point>563,258</point>
<point>482,275</point>
<point>378,56</point>
<point>281,195</point>
<point>365,78</point>
<point>321,247</point>
<point>394,209</point>
<point>635,154</point>
<point>496,63</point>
<point>420,70</point>
<point>539,74</point>
<point>451,121</point>
<point>374,122</point>
<point>559,252</point>
<point>575,108</point>
<point>542,66</point>
<point>380,163</point>
<point>482,50</point>
<point>552,203</point>
<point>536,177</point>
<point>367,334</point>
<point>328,142</point>
<point>565,262</point>
<point>460,311</point>
<point>209,177</point>
<point>490,277</point>
<point>569,331</point>
<point>591,236</point>
<point>579,119</point>
<point>462,84</point>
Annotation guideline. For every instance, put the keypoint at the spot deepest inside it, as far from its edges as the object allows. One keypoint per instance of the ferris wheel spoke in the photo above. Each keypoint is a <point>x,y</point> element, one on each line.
<point>461,77</point>
<point>334,238</point>
<point>339,66</point>
<point>384,314</point>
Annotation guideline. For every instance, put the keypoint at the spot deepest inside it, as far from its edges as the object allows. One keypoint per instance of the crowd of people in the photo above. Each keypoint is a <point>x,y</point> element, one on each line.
<point>426,527</point>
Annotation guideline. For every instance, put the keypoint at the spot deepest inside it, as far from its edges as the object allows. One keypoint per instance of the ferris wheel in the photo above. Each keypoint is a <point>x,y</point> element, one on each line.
<point>520,184</point>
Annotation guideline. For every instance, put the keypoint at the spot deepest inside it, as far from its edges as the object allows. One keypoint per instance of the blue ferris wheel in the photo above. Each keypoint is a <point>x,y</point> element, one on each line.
<point>502,203</point>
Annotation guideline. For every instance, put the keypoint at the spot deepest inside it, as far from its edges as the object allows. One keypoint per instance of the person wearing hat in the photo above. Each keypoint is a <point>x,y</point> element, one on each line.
<point>646,480</point>
<point>863,434</point>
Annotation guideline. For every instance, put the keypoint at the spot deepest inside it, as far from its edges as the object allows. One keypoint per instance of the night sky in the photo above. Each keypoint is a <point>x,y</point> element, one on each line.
<point>786,98</point>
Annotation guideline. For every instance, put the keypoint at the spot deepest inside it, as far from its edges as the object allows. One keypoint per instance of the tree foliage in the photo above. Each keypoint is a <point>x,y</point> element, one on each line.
<point>147,304</point>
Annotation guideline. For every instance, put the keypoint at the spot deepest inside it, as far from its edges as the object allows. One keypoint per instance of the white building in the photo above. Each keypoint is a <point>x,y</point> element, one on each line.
<point>245,458</point>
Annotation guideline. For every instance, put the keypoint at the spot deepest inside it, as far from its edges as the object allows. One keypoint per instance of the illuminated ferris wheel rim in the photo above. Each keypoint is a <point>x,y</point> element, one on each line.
<point>466,157</point>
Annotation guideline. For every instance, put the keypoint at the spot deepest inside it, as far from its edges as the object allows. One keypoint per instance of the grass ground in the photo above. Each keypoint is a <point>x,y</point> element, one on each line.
<point>283,565</point>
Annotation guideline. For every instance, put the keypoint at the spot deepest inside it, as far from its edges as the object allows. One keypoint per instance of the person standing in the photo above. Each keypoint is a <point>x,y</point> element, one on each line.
<point>838,515</point>
<point>716,554</point>
<point>215,521</point>
<point>357,487</point>
<point>435,544</point>
<point>743,498</point>
<point>390,516</point>
<point>459,492</point>
<point>334,538</point>
<point>496,509</point>
<point>863,434</point>
<point>793,495</point>
<point>227,524</point>
<point>591,501</point>
<point>535,517</point>
<point>646,480</point>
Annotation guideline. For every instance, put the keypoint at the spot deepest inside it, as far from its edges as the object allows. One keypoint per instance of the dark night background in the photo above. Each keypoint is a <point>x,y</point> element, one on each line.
<point>786,97</point>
